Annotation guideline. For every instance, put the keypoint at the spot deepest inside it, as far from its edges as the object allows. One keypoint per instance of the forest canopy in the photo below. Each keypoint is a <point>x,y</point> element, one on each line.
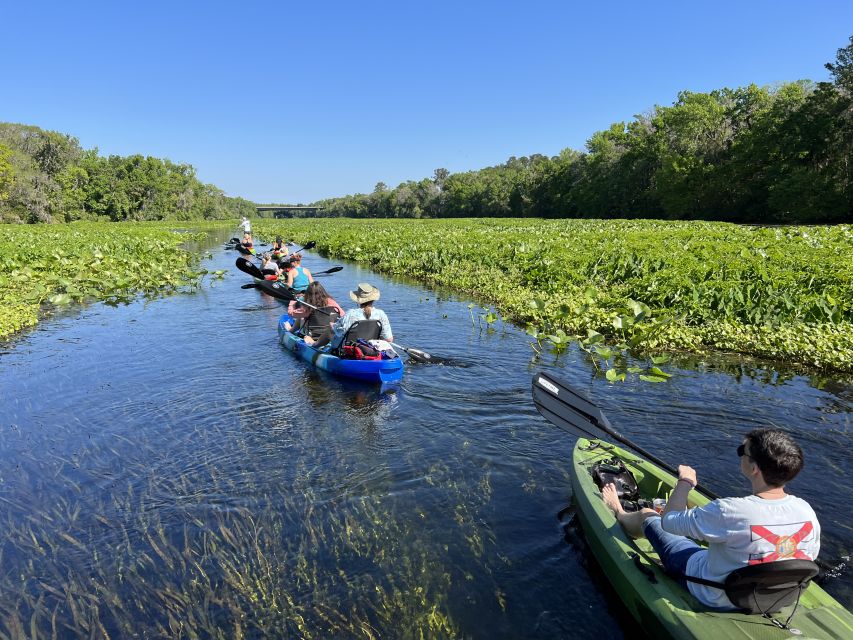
<point>778,154</point>
<point>45,176</point>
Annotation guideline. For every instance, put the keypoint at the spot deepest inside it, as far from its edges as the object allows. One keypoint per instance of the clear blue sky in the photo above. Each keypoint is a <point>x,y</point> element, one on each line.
<point>296,101</point>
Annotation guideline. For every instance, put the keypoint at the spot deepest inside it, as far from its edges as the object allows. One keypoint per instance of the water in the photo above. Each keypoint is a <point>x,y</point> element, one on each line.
<point>167,469</point>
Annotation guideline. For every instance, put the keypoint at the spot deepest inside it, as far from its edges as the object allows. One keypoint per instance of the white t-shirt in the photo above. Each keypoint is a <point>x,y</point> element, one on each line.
<point>743,531</point>
<point>247,226</point>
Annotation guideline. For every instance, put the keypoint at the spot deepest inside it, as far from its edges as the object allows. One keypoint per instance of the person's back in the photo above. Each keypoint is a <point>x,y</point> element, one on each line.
<point>741,532</point>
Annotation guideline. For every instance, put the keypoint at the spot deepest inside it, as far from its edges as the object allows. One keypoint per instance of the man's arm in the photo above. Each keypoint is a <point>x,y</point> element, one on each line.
<point>678,498</point>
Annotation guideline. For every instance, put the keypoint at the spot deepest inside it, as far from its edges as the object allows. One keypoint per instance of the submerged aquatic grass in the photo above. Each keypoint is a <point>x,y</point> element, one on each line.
<point>137,543</point>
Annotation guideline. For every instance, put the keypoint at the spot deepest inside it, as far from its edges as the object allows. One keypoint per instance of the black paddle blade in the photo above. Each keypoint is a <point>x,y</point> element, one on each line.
<point>310,245</point>
<point>247,267</point>
<point>568,409</point>
<point>328,272</point>
<point>275,289</point>
<point>420,356</point>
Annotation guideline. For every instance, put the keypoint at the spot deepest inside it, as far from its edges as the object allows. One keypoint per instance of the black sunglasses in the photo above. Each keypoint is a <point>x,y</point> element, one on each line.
<point>741,451</point>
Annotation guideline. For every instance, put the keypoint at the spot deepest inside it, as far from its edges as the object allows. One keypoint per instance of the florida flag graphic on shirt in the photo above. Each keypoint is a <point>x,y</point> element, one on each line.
<point>780,541</point>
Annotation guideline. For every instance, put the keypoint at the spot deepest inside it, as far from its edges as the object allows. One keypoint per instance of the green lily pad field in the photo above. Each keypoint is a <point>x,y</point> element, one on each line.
<point>46,266</point>
<point>626,286</point>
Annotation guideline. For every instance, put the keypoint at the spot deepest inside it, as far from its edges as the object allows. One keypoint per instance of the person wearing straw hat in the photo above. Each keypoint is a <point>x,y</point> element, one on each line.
<point>364,295</point>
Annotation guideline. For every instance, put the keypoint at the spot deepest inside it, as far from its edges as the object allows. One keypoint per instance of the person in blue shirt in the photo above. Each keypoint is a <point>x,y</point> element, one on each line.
<point>365,295</point>
<point>298,278</point>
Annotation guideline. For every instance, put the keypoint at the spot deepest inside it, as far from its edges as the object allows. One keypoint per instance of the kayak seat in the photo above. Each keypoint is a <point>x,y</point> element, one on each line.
<point>317,323</point>
<point>767,587</point>
<point>361,330</point>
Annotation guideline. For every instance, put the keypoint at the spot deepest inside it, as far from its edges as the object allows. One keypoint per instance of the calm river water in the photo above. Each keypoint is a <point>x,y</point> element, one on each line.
<point>167,469</point>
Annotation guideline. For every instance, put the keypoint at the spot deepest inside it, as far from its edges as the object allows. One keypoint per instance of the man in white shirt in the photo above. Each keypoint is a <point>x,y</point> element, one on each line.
<point>767,526</point>
<point>247,226</point>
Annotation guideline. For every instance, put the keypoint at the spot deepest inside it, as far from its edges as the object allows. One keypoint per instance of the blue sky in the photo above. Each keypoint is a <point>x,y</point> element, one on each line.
<point>297,101</point>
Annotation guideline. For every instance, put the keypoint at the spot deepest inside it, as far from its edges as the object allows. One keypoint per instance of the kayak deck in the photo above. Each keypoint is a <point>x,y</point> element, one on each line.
<point>382,371</point>
<point>661,606</point>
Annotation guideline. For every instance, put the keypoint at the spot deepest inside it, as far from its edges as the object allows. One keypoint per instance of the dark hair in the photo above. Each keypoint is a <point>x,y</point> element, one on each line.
<point>366,308</point>
<point>316,294</point>
<point>777,455</point>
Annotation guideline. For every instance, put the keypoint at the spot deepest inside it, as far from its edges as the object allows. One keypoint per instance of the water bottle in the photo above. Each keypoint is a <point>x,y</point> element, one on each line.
<point>659,504</point>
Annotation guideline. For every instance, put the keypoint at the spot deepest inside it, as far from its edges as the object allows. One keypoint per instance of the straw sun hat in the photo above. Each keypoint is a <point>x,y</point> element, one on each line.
<point>364,293</point>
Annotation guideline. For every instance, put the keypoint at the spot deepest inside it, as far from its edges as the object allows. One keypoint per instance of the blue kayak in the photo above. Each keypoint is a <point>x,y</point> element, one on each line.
<point>384,371</point>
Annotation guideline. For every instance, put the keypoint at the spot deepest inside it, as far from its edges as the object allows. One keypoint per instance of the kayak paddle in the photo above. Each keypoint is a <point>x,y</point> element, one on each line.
<point>247,267</point>
<point>571,411</point>
<point>328,272</point>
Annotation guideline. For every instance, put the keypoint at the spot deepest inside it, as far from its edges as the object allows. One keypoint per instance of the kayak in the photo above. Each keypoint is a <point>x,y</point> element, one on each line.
<point>661,606</point>
<point>383,371</point>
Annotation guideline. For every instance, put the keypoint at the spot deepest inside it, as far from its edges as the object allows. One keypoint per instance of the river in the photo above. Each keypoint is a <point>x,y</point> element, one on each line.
<point>167,470</point>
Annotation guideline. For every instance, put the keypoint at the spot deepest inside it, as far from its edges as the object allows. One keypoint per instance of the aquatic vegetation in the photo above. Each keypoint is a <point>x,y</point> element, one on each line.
<point>171,549</point>
<point>44,266</point>
<point>645,286</point>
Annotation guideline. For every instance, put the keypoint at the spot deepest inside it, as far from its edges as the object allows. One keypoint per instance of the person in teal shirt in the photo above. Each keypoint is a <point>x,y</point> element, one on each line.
<point>298,278</point>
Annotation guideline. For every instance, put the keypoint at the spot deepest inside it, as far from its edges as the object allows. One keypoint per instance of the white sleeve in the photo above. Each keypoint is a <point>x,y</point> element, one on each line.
<point>700,523</point>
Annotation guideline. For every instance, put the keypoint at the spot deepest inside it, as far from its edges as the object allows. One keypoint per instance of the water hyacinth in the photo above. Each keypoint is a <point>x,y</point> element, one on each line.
<point>784,294</point>
<point>43,266</point>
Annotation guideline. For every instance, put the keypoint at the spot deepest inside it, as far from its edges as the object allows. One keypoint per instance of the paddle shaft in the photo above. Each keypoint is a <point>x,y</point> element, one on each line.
<point>568,409</point>
<point>652,458</point>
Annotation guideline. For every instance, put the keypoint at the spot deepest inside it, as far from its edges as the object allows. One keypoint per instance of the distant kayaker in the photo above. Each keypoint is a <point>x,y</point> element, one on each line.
<point>247,226</point>
<point>365,295</point>
<point>247,242</point>
<point>279,250</point>
<point>767,526</point>
<point>269,267</point>
<point>316,296</point>
<point>298,278</point>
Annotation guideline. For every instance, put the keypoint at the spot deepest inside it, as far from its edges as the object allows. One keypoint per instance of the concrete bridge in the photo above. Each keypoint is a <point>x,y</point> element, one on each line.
<point>285,210</point>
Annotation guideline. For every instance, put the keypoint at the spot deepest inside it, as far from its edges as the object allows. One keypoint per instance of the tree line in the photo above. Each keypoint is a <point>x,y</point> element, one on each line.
<point>781,154</point>
<point>45,176</point>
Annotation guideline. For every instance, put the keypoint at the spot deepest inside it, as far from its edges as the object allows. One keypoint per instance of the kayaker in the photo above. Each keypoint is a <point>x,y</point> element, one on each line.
<point>365,295</point>
<point>247,226</point>
<point>767,526</point>
<point>298,278</point>
<point>269,266</point>
<point>247,242</point>
<point>279,250</point>
<point>316,296</point>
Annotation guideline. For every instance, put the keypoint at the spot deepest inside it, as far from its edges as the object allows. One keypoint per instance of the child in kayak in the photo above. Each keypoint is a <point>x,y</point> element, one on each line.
<point>767,526</point>
<point>365,295</point>
<point>298,278</point>
<point>316,296</point>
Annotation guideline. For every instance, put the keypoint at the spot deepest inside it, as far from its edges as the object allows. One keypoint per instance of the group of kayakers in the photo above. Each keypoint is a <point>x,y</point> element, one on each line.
<point>278,264</point>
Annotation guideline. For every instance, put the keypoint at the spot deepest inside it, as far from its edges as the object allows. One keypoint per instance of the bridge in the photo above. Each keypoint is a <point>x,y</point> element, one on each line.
<point>286,210</point>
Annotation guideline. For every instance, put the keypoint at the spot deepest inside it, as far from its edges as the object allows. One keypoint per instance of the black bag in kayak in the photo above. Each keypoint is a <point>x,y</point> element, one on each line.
<point>614,471</point>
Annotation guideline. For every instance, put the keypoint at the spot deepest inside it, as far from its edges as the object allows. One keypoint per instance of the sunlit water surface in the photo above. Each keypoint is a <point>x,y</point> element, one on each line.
<point>167,469</point>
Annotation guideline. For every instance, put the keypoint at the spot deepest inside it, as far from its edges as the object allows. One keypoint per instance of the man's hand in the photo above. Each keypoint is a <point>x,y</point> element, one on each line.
<point>687,473</point>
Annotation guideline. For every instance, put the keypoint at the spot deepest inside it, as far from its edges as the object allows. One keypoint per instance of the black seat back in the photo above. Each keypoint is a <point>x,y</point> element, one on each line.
<point>363,330</point>
<point>768,587</point>
<point>316,324</point>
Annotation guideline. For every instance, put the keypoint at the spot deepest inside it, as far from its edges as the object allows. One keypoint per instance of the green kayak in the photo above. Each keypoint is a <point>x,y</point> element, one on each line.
<point>662,607</point>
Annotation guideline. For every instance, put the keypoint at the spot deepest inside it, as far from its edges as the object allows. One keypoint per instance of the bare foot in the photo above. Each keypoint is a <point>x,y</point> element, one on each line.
<point>632,522</point>
<point>611,499</point>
